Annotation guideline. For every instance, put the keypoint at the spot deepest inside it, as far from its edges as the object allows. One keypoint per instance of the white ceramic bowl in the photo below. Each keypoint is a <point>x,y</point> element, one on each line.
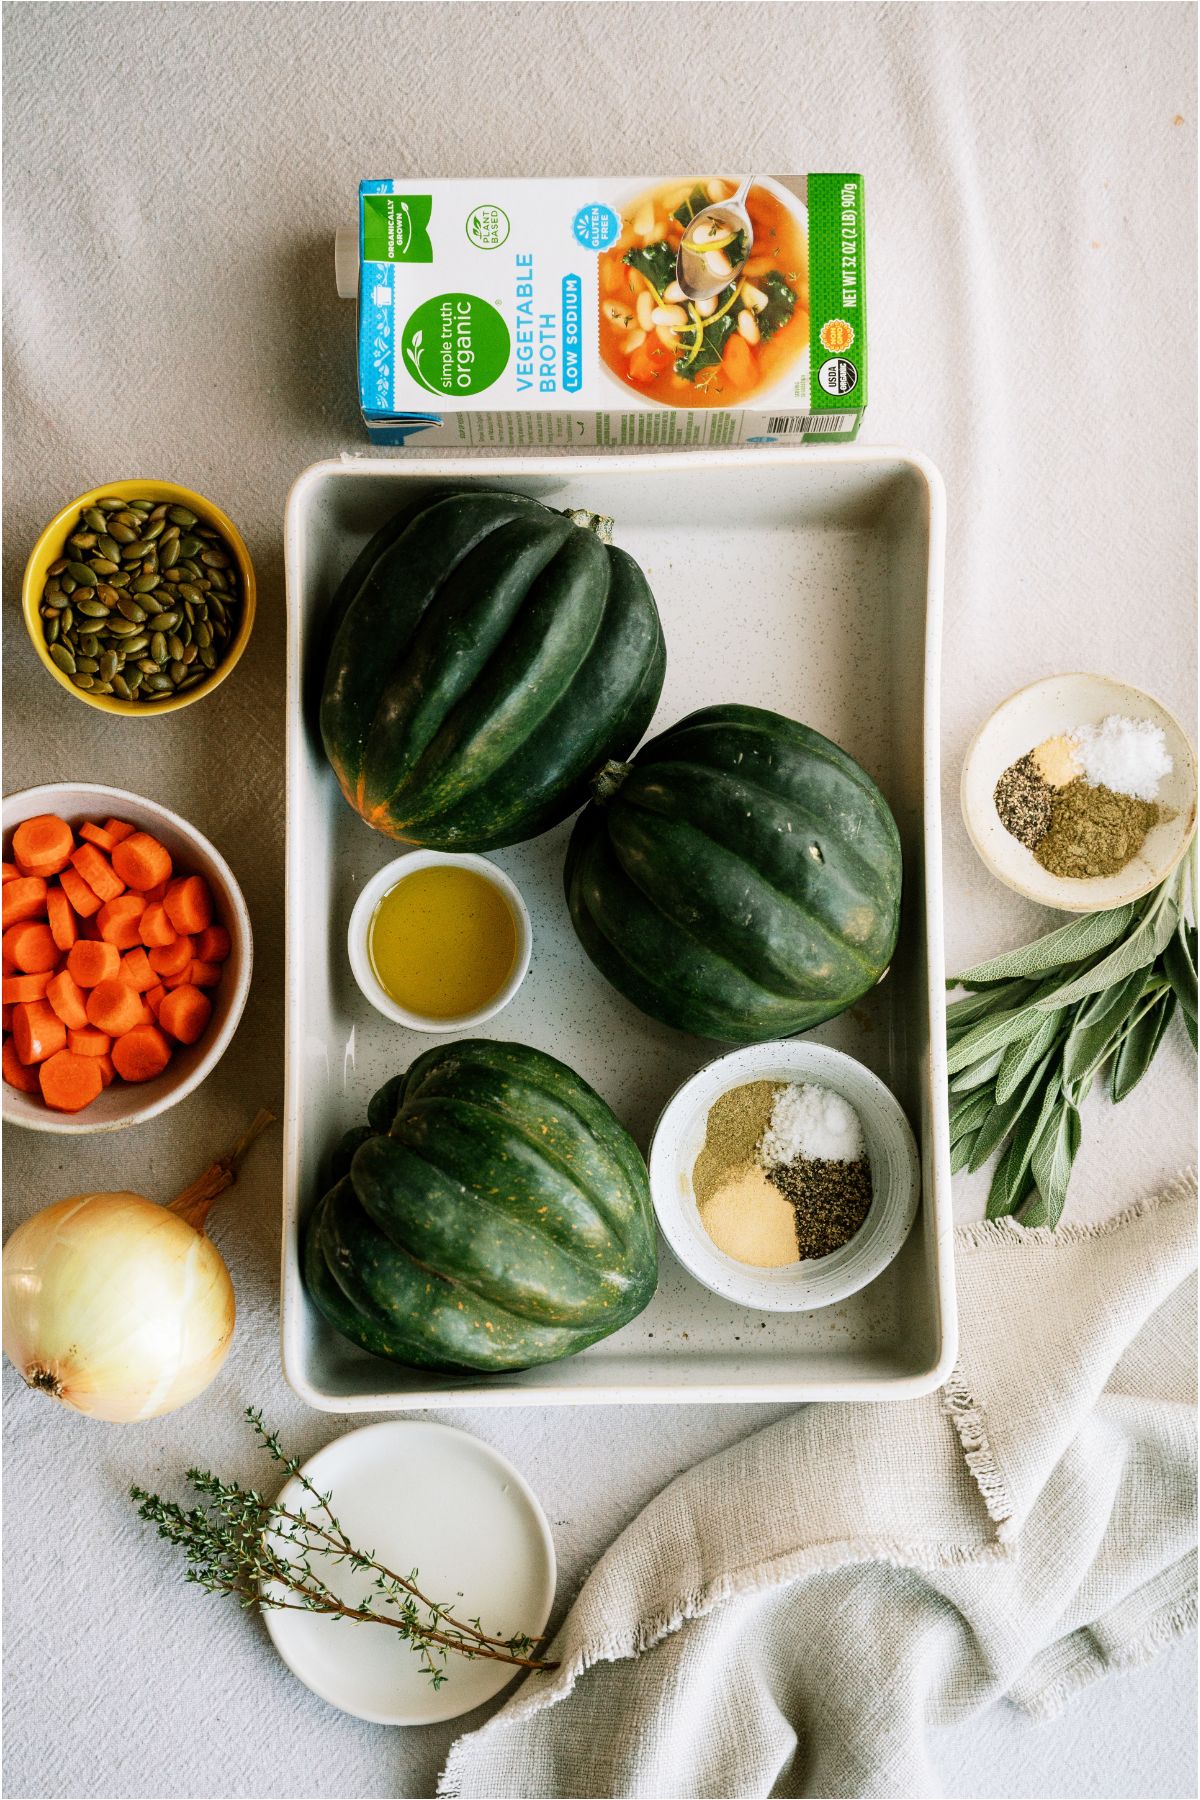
<point>799,1286</point>
<point>1061,703</point>
<point>129,1103</point>
<point>359,931</point>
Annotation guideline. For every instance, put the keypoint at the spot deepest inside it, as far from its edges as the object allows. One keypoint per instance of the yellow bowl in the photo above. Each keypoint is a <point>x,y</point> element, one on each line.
<point>50,547</point>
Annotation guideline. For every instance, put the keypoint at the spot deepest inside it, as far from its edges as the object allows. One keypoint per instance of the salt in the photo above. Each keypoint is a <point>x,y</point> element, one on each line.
<point>813,1122</point>
<point>1129,756</point>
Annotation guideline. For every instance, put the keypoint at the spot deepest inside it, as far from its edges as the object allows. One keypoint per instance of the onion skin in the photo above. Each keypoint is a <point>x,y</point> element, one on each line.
<point>116,1306</point>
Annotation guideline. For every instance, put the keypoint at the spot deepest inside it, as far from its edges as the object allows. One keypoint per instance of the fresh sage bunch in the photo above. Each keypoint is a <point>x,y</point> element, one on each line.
<point>273,1555</point>
<point>1090,1002</point>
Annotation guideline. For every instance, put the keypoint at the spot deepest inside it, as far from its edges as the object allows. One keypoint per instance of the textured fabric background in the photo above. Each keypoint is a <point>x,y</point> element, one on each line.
<point>173,176</point>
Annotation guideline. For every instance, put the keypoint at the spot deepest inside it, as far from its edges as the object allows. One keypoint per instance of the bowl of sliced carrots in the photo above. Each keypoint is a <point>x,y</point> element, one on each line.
<point>127,954</point>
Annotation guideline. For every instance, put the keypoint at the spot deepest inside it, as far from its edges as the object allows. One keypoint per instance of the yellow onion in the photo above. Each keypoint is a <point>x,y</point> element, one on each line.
<point>119,1307</point>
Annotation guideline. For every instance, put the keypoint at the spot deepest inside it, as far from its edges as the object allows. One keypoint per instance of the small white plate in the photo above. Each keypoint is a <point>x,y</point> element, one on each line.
<point>1060,704</point>
<point>818,1281</point>
<point>426,1497</point>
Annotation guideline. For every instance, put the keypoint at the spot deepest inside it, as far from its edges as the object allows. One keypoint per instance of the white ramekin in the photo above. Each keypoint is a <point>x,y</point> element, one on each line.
<point>359,931</point>
<point>821,1281</point>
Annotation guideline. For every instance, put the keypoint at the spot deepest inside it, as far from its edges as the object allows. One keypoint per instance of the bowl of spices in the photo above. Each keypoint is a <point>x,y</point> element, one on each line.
<point>439,942</point>
<point>139,597</point>
<point>785,1176</point>
<point>1080,792</point>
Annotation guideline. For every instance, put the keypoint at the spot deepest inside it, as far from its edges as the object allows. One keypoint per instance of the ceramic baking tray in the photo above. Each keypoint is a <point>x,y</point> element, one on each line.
<point>804,580</point>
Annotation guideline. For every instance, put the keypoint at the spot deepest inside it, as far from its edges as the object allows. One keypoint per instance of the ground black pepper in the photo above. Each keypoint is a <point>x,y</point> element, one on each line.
<point>1022,799</point>
<point>832,1199</point>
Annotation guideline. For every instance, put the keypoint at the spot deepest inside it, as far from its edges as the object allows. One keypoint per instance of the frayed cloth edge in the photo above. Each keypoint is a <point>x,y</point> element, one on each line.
<point>1159,1634</point>
<point>736,1584</point>
<point>970,1422</point>
<point>990,1234</point>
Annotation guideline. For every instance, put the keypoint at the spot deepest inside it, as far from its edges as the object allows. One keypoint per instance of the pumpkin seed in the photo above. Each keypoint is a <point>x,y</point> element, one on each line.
<point>134,646</point>
<point>121,688</point>
<point>159,511</point>
<point>131,610</point>
<point>82,575</point>
<point>144,546</point>
<point>204,635</point>
<point>54,597</point>
<point>158,647</point>
<point>56,567</point>
<point>157,684</point>
<point>82,679</point>
<point>186,591</point>
<point>147,666</point>
<point>120,581</point>
<point>177,671</point>
<point>88,664</point>
<point>168,556</point>
<point>100,686</point>
<point>104,565</point>
<point>68,583</point>
<point>121,628</point>
<point>109,665</point>
<point>93,609</point>
<point>145,584</point>
<point>63,658</point>
<point>209,658</point>
<point>175,646</point>
<point>189,654</point>
<point>179,515</point>
<point>141,506</point>
<point>51,628</point>
<point>83,540</point>
<point>164,621</point>
<point>109,505</point>
<point>93,518</point>
<point>121,532</point>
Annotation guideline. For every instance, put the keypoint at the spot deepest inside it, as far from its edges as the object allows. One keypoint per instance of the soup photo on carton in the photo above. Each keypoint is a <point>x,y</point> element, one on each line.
<point>709,309</point>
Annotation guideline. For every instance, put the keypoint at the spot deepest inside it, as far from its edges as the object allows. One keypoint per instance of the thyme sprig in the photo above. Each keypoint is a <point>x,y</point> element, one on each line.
<point>1090,1002</point>
<point>262,1552</point>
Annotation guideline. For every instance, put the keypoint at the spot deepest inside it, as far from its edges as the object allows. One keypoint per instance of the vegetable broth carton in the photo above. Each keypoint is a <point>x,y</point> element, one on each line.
<point>521,314</point>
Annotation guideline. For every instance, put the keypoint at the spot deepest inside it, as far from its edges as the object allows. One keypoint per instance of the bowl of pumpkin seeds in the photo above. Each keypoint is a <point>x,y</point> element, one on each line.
<point>139,597</point>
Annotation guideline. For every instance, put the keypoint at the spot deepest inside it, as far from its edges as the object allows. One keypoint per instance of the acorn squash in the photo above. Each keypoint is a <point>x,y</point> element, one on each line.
<point>740,880</point>
<point>487,656</point>
<point>492,1214</point>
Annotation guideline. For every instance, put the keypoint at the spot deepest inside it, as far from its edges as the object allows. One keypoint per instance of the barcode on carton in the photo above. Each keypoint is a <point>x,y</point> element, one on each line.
<point>811,424</point>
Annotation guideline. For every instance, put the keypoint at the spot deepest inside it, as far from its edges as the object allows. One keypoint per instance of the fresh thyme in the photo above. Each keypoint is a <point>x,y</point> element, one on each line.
<point>262,1552</point>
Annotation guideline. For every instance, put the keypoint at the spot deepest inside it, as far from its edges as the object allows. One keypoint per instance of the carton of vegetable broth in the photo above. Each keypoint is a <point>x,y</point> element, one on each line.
<point>521,314</point>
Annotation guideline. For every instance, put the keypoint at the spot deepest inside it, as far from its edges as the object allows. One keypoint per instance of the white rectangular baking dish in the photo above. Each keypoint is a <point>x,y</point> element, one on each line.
<point>806,580</point>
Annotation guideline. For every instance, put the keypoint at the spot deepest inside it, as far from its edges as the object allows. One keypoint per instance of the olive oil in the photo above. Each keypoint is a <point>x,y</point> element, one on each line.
<point>443,941</point>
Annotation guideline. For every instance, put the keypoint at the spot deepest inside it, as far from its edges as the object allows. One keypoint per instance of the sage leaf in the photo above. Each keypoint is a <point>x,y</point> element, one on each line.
<point>1004,1115</point>
<point>969,1114</point>
<point>991,1035</point>
<point>1071,943</point>
<point>1140,1044</point>
<point>1011,1183</point>
<point>1097,1025</point>
<point>1020,1058</point>
<point>977,1074</point>
<point>1054,1154</point>
<point>1146,942</point>
<point>961,1013</point>
<point>960,1152</point>
<point>1179,967</point>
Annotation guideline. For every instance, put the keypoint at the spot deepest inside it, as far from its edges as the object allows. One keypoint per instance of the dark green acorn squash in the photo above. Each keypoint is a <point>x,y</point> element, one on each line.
<point>740,880</point>
<point>488,655</point>
<point>493,1214</point>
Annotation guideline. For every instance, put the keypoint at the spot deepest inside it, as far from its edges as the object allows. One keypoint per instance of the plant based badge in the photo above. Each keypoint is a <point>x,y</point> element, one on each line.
<point>456,344</point>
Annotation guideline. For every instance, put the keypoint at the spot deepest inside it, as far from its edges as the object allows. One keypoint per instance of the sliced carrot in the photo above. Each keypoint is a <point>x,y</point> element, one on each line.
<point>136,970</point>
<point>32,947</point>
<point>96,834</point>
<point>141,861</point>
<point>64,927</point>
<point>24,898</point>
<point>11,871</point>
<point>70,1082</point>
<point>38,1032</point>
<point>213,944</point>
<point>154,997</point>
<point>183,979</point>
<point>107,1068</point>
<point>43,846</point>
<point>115,1007</point>
<point>15,1072</point>
<point>97,871</point>
<point>68,1000</point>
<point>172,959</point>
<point>189,904</point>
<point>6,1015</point>
<point>738,362</point>
<point>141,1054</point>
<point>118,829</point>
<point>154,927</point>
<point>20,988</point>
<point>89,929</point>
<point>185,1013</point>
<point>204,974</point>
<point>83,899</point>
<point>154,896</point>
<point>89,1041</point>
<point>118,920</point>
<point>91,963</point>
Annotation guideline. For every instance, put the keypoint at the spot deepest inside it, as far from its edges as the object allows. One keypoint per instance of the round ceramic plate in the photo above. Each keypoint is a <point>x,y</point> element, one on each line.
<point>426,1497</point>
<point>1061,703</point>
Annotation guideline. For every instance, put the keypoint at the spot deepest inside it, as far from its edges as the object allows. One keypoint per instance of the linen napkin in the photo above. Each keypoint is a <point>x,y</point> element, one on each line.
<point>795,1615</point>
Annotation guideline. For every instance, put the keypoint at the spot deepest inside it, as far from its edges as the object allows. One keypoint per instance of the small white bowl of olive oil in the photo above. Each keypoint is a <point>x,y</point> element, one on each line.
<point>439,942</point>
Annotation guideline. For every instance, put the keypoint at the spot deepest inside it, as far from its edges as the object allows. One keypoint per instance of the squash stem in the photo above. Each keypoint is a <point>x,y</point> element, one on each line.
<point>197,1200</point>
<point>608,780</point>
<point>596,523</point>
